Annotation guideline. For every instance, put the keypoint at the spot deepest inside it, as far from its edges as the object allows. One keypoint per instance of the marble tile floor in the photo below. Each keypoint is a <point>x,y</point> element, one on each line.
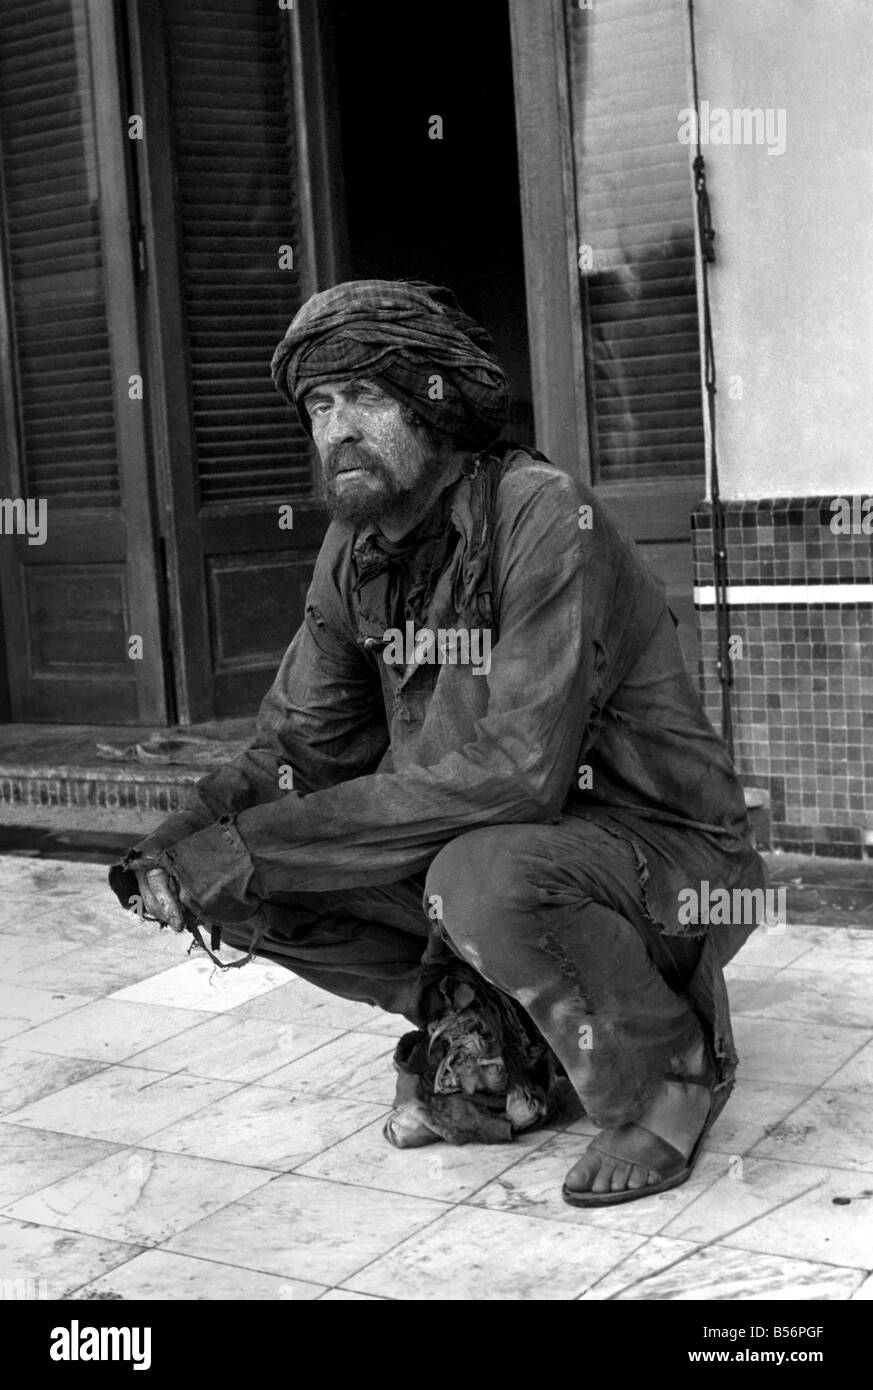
<point>168,1131</point>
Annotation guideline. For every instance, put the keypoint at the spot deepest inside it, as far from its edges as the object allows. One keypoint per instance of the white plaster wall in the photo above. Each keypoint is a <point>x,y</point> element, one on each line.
<point>792,289</point>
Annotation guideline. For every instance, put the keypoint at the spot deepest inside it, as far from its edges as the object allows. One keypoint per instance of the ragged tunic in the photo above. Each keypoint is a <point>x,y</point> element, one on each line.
<point>586,710</point>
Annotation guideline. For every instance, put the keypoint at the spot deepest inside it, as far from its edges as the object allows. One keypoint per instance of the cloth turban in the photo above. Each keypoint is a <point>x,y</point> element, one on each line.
<point>414,339</point>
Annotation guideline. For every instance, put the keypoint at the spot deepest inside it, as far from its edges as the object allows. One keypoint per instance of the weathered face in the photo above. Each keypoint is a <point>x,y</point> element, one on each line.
<point>374,464</point>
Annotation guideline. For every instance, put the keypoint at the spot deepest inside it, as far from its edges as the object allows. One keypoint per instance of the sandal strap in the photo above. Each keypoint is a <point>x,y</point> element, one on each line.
<point>640,1146</point>
<point>708,1077</point>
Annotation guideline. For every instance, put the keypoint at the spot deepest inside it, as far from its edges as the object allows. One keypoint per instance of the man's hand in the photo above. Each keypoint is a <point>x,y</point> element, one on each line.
<point>159,898</point>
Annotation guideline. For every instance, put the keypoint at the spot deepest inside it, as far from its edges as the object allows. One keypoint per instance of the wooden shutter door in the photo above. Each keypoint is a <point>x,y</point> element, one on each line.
<point>639,298</point>
<point>232,179</point>
<point>72,436</point>
<point>621,194</point>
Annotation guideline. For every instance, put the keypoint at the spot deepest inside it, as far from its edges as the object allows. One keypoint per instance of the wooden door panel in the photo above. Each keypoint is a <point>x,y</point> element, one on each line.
<point>77,666</point>
<point>256,604</point>
<point>651,514</point>
<point>656,514</point>
<point>653,509</point>
<point>256,577</point>
<point>673,563</point>
<point>77,616</point>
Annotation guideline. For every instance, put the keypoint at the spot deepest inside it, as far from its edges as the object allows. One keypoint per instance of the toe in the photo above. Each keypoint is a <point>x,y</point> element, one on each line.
<point>600,1172</point>
<point>582,1174</point>
<point>639,1177</point>
<point>620,1176</point>
<point>603,1180</point>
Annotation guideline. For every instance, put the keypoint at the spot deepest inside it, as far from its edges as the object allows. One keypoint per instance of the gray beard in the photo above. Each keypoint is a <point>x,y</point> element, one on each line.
<point>369,506</point>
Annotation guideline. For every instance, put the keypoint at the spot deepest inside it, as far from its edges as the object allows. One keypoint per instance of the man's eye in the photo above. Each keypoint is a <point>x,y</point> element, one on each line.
<point>317,408</point>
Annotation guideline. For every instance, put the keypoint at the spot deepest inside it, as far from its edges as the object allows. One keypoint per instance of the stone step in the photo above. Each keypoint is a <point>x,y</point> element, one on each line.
<point>80,767</point>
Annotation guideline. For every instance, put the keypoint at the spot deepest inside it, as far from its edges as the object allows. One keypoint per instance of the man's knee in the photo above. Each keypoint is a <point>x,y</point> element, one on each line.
<point>479,880</point>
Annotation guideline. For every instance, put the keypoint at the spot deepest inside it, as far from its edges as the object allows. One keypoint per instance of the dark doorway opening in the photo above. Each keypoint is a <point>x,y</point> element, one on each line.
<point>444,210</point>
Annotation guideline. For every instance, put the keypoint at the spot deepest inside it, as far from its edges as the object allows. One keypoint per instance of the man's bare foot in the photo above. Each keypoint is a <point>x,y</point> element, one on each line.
<point>625,1159</point>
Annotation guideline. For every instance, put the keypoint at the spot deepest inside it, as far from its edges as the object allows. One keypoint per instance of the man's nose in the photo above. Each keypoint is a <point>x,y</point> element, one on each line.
<point>341,425</point>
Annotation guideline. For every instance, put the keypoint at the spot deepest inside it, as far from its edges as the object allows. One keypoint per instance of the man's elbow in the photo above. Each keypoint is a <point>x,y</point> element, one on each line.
<point>542,798</point>
<point>521,789</point>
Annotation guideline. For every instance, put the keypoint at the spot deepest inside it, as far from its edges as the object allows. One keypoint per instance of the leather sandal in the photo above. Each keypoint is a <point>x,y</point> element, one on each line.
<point>641,1146</point>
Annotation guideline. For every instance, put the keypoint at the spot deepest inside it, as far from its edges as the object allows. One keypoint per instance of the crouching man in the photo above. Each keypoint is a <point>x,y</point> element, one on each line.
<point>530,819</point>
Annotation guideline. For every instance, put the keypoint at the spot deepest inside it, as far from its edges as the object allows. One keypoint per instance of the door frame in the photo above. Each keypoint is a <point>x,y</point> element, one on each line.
<point>548,215</point>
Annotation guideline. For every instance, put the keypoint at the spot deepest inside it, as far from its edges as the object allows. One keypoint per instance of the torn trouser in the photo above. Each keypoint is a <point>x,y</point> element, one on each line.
<point>556,916</point>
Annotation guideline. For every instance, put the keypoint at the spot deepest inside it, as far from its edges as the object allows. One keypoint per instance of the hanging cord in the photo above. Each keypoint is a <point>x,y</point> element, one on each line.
<point>719,554</point>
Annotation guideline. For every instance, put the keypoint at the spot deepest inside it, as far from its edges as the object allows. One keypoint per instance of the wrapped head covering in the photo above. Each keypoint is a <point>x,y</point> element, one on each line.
<point>412,338</point>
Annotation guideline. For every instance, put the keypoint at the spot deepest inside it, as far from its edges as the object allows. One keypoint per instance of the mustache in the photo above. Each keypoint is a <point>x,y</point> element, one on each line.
<point>348,455</point>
